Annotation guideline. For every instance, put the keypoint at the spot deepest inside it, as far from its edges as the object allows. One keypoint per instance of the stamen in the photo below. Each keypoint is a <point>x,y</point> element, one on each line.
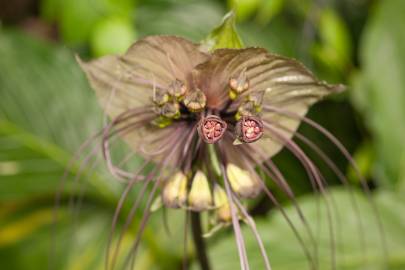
<point>249,129</point>
<point>246,109</point>
<point>238,85</point>
<point>171,110</point>
<point>195,101</point>
<point>211,129</point>
<point>257,98</point>
<point>177,89</point>
<point>160,96</point>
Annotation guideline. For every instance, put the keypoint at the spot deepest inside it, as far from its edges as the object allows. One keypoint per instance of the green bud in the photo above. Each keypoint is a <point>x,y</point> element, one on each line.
<point>175,191</point>
<point>242,182</point>
<point>200,197</point>
<point>195,101</point>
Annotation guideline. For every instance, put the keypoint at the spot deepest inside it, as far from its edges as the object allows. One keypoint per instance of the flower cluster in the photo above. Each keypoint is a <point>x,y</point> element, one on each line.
<point>207,120</point>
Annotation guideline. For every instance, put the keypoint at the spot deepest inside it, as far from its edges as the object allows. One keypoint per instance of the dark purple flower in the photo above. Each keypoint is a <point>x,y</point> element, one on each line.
<point>182,109</point>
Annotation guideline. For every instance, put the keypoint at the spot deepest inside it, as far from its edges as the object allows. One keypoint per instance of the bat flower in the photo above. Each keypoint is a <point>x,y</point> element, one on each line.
<point>206,121</point>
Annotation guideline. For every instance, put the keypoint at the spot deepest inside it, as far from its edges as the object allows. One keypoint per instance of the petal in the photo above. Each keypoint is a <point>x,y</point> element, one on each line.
<point>288,86</point>
<point>213,76</point>
<point>287,83</point>
<point>125,82</point>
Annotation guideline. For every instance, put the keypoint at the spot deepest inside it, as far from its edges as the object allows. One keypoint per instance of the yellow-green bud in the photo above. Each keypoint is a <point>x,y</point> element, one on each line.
<point>242,182</point>
<point>175,191</point>
<point>162,122</point>
<point>195,101</point>
<point>200,197</point>
<point>223,210</point>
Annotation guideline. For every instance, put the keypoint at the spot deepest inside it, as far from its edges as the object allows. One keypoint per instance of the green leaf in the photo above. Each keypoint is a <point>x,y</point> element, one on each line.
<point>223,36</point>
<point>47,111</point>
<point>284,250</point>
<point>379,89</point>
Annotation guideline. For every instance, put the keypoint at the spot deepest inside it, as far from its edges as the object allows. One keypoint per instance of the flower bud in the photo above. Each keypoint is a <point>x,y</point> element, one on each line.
<point>195,101</point>
<point>160,96</point>
<point>177,89</point>
<point>175,191</point>
<point>211,129</point>
<point>249,129</point>
<point>223,210</point>
<point>170,110</point>
<point>200,197</point>
<point>242,181</point>
<point>238,85</point>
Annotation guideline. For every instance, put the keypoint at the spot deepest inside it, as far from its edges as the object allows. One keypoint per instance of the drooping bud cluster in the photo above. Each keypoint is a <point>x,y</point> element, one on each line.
<point>177,193</point>
<point>249,129</point>
<point>199,193</point>
<point>211,129</point>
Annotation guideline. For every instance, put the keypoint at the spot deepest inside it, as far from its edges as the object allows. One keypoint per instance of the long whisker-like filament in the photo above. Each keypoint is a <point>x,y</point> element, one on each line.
<point>312,173</point>
<point>349,158</point>
<point>253,227</point>
<point>291,196</point>
<point>235,219</point>
<point>120,205</point>
<point>341,177</point>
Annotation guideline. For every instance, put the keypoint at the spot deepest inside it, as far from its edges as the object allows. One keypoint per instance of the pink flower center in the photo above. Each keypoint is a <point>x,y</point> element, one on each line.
<point>251,130</point>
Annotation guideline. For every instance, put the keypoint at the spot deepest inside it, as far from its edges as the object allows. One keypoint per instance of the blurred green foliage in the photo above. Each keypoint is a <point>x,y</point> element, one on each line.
<point>47,110</point>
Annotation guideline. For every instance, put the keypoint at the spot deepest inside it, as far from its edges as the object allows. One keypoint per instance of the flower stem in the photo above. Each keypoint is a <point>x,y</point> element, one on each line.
<point>199,243</point>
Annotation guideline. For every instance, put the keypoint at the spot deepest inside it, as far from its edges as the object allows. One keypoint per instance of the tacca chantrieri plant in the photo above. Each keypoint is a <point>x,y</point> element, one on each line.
<point>208,120</point>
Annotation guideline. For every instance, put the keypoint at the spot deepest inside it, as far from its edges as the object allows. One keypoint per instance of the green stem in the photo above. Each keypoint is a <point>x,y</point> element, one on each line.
<point>199,243</point>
